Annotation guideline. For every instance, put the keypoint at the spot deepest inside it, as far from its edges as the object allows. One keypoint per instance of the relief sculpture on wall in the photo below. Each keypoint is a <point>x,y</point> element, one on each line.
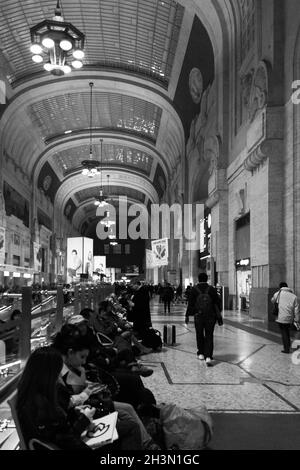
<point>195,141</point>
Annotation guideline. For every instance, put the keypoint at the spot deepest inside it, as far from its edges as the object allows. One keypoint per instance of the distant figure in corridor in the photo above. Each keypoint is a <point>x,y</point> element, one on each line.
<point>167,296</point>
<point>288,313</point>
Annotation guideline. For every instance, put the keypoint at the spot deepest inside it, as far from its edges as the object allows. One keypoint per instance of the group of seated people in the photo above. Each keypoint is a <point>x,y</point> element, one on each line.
<point>78,378</point>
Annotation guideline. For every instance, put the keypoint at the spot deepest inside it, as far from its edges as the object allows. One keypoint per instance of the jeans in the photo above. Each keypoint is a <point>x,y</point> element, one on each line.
<point>167,303</point>
<point>204,327</point>
<point>285,334</point>
<point>133,433</point>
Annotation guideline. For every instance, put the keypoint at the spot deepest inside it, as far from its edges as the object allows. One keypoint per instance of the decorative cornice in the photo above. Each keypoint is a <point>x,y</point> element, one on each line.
<point>255,158</point>
<point>268,148</point>
<point>213,199</point>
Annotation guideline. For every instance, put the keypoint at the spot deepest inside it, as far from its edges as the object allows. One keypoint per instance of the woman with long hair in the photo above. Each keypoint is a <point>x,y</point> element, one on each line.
<point>75,350</point>
<point>37,406</point>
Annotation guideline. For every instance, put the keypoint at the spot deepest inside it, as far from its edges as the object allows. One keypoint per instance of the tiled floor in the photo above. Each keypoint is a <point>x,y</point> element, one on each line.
<point>250,374</point>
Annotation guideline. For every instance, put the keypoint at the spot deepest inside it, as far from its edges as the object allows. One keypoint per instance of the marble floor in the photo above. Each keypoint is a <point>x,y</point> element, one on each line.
<point>249,373</point>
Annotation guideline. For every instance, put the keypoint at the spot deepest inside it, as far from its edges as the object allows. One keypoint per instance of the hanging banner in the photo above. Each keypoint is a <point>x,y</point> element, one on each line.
<point>37,253</point>
<point>149,259</point>
<point>2,245</point>
<point>160,252</point>
<point>100,264</point>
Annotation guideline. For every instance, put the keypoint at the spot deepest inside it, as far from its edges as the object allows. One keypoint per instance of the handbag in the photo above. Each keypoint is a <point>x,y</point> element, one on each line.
<point>276,306</point>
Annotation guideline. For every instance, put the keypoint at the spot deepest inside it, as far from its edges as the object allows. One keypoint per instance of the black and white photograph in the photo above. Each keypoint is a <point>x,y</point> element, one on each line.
<point>149,229</point>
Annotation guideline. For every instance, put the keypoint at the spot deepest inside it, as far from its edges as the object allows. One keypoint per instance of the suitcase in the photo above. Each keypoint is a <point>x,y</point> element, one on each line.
<point>169,335</point>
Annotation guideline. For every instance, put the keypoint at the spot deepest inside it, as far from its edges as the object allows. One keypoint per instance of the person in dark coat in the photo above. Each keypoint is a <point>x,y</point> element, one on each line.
<point>140,313</point>
<point>206,313</point>
<point>167,296</point>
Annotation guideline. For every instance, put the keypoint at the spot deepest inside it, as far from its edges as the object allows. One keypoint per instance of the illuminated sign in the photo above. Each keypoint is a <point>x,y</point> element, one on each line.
<point>243,262</point>
<point>205,234</point>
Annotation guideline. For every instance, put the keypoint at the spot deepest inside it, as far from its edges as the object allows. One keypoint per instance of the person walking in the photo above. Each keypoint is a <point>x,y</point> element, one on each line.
<point>288,313</point>
<point>204,305</point>
<point>167,296</point>
<point>179,293</point>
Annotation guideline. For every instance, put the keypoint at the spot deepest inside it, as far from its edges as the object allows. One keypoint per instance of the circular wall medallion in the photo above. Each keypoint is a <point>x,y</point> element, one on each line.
<point>196,85</point>
<point>47,182</point>
<point>68,210</point>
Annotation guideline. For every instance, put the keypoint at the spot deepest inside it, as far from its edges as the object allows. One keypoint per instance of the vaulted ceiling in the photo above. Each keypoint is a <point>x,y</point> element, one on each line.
<point>134,51</point>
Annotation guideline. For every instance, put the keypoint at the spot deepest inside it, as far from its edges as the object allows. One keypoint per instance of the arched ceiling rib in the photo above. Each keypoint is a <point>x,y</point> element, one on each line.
<point>139,101</point>
<point>131,46</point>
<point>70,111</point>
<point>119,179</point>
<point>77,147</point>
<point>87,209</point>
<point>70,159</point>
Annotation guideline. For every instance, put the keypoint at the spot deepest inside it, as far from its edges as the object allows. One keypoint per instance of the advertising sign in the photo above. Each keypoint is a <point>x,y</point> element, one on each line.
<point>160,252</point>
<point>100,264</point>
<point>88,261</point>
<point>79,257</point>
<point>149,259</point>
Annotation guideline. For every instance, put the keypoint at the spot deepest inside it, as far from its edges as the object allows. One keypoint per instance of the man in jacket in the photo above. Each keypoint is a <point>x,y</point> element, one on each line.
<point>204,305</point>
<point>288,313</point>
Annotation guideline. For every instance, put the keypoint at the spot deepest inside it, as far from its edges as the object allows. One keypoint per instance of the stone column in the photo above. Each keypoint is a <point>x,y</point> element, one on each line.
<point>265,162</point>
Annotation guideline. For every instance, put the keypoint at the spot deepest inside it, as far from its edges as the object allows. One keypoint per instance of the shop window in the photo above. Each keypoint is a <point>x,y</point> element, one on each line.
<point>106,249</point>
<point>16,260</point>
<point>16,239</point>
<point>43,260</point>
<point>127,249</point>
<point>117,249</point>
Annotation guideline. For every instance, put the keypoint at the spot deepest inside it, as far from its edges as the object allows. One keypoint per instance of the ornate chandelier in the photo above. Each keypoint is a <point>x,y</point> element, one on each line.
<point>57,42</point>
<point>90,166</point>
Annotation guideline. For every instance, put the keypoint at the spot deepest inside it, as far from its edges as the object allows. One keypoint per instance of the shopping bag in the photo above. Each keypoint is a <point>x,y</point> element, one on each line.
<point>186,429</point>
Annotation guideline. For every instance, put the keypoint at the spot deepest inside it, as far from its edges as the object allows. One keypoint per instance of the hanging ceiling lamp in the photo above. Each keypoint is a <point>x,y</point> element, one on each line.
<point>58,43</point>
<point>90,166</point>
<point>100,200</point>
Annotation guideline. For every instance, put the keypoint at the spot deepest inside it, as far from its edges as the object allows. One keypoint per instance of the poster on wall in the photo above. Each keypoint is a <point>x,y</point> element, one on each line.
<point>110,275</point>
<point>79,257</point>
<point>88,262</point>
<point>74,258</point>
<point>100,265</point>
<point>160,252</point>
<point>2,245</point>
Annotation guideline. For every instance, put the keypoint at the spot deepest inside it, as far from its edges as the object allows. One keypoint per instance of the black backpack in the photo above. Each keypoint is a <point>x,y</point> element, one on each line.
<point>151,338</point>
<point>204,303</point>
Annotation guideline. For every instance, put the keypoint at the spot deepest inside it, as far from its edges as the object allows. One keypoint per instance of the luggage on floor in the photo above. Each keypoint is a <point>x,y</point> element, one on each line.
<point>151,338</point>
<point>185,429</point>
<point>169,336</point>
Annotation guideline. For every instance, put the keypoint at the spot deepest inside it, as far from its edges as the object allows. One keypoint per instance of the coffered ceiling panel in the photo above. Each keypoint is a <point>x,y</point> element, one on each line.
<point>89,193</point>
<point>112,154</point>
<point>71,111</point>
<point>137,35</point>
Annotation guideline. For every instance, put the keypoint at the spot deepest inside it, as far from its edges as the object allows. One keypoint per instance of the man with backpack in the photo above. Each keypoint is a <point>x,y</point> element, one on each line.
<point>204,305</point>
